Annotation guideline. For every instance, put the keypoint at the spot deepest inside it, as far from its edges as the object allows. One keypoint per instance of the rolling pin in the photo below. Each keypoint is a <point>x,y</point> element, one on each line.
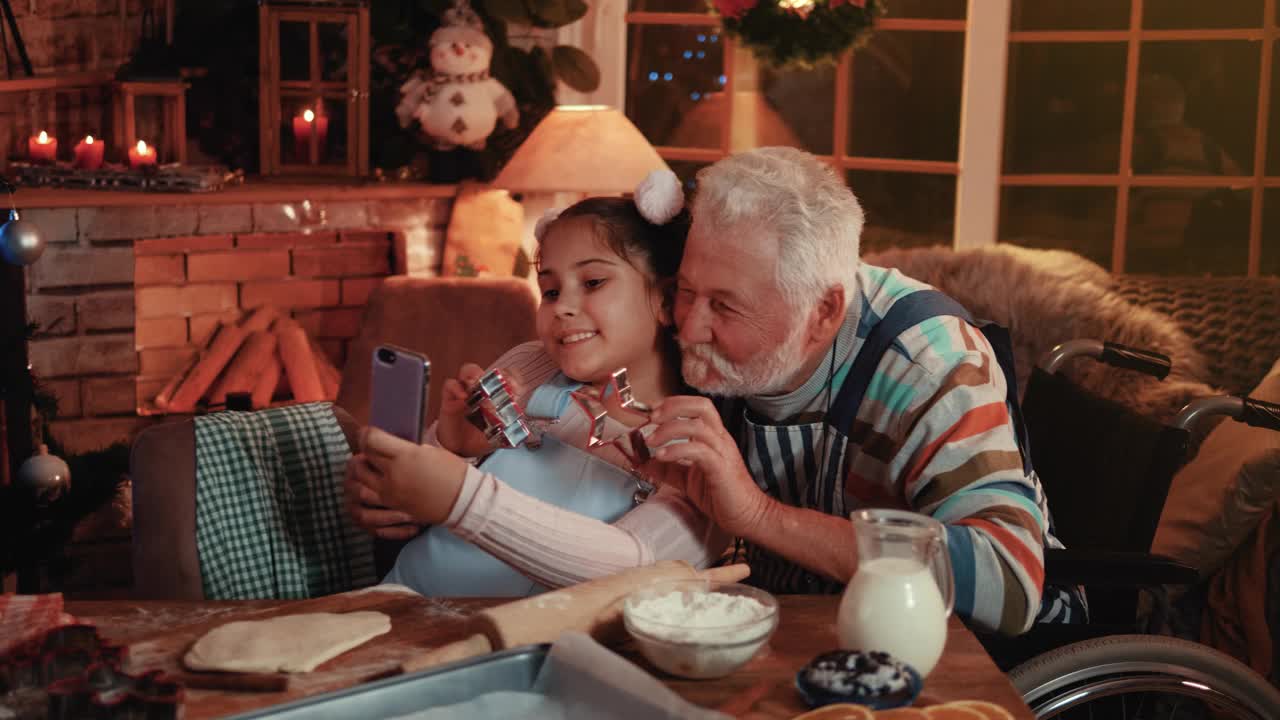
<point>593,607</point>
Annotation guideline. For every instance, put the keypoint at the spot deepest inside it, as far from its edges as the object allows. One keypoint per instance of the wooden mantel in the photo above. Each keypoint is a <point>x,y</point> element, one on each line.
<point>254,190</point>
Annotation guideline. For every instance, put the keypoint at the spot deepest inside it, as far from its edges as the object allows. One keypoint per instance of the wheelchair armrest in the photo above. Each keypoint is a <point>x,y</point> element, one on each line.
<point>1122,569</point>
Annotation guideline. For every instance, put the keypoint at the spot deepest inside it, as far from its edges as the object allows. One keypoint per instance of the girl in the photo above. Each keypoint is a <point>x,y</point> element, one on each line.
<point>531,518</point>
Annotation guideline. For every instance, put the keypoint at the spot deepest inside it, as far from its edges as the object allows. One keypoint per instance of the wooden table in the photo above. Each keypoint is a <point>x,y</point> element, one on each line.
<point>158,633</point>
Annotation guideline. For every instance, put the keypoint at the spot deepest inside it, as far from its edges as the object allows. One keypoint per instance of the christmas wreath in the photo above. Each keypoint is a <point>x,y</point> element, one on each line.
<point>798,33</point>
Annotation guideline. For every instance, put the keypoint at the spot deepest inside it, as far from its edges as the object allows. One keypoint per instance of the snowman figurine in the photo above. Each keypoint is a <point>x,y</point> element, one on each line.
<point>459,104</point>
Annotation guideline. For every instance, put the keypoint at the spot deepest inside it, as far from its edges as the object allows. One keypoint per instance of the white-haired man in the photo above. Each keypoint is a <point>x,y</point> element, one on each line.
<point>841,385</point>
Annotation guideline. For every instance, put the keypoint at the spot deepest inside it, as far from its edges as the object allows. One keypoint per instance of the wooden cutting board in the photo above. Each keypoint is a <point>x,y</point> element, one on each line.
<point>418,624</point>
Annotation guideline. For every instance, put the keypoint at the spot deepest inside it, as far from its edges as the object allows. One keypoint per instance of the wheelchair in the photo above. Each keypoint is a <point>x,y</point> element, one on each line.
<point>1106,471</point>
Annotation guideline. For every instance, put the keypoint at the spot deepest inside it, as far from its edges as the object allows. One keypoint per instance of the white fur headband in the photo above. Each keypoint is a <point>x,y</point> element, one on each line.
<point>659,198</point>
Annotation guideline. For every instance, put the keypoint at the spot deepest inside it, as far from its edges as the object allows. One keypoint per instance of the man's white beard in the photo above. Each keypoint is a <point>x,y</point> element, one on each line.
<point>766,374</point>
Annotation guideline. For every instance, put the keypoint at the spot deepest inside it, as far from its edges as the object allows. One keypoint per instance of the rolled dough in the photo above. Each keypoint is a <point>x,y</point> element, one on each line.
<point>292,643</point>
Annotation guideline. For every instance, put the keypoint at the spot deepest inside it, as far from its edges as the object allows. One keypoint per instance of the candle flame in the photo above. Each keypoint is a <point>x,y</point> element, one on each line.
<point>307,115</point>
<point>142,147</point>
<point>44,138</point>
<point>88,139</point>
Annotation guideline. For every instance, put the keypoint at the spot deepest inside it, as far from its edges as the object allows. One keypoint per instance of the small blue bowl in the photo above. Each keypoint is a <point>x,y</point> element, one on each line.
<point>874,679</point>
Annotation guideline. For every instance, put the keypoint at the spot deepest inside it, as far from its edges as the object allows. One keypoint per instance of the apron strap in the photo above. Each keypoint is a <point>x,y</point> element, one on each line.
<point>903,315</point>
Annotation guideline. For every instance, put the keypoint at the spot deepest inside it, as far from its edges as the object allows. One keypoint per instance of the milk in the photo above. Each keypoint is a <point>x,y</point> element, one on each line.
<point>893,604</point>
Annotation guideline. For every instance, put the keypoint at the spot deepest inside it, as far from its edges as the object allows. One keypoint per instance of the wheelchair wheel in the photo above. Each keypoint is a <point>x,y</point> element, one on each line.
<point>1143,676</point>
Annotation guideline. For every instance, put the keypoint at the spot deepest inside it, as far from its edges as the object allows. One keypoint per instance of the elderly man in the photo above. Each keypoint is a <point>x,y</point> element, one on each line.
<point>841,385</point>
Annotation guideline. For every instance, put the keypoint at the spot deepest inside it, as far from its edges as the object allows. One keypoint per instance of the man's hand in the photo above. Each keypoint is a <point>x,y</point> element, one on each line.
<point>369,512</point>
<point>421,481</point>
<point>708,468</point>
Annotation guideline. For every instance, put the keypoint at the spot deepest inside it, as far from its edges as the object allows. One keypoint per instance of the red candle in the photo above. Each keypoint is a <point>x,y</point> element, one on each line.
<point>142,155</point>
<point>42,148</point>
<point>304,127</point>
<point>89,153</point>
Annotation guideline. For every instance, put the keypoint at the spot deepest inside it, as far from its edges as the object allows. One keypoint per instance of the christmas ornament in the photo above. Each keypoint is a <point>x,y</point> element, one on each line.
<point>21,242</point>
<point>459,104</point>
<point>44,477</point>
<point>798,33</point>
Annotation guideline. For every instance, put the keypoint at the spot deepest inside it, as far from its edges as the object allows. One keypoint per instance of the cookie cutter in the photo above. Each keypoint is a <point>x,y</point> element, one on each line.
<point>81,675</point>
<point>492,409</point>
<point>632,443</point>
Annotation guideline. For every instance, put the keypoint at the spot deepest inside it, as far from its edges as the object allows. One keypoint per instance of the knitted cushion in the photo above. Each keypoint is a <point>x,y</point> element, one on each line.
<point>1235,321</point>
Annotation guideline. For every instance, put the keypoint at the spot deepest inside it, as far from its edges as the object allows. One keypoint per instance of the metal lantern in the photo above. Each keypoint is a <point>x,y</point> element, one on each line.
<point>314,86</point>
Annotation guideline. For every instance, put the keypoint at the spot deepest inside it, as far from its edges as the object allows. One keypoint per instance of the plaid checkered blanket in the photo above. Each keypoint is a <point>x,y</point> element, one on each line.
<point>270,522</point>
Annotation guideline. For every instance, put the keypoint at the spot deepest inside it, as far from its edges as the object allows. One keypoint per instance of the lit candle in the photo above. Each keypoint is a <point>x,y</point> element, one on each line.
<point>304,127</point>
<point>42,148</point>
<point>89,153</point>
<point>142,155</point>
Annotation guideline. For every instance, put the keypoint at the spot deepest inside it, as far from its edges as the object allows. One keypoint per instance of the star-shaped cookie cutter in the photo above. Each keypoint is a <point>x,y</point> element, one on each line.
<point>595,404</point>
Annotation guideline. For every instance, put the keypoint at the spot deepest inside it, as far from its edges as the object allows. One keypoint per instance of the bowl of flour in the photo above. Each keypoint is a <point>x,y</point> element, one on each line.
<point>699,628</point>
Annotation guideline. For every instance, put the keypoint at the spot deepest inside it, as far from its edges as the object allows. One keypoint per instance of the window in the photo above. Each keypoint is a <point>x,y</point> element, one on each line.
<point>888,117</point>
<point>1136,133</point>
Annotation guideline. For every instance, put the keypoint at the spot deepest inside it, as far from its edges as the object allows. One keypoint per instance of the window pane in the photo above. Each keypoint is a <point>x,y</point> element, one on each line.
<point>1197,14</point>
<point>928,9</point>
<point>905,209</point>
<point>333,51</point>
<point>1188,231</point>
<point>1273,118</point>
<point>1197,107</point>
<point>674,83</point>
<point>1064,108</point>
<point>906,96</point>
<point>1271,231</point>
<point>295,51</point>
<point>1076,15</point>
<point>1079,219</point>
<point>688,6</point>
<point>794,107</point>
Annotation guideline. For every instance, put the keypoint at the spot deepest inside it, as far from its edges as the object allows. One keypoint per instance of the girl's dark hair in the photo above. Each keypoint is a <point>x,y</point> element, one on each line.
<point>648,247</point>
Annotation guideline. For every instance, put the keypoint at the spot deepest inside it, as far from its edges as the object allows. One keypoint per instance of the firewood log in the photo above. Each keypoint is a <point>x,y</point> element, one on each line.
<point>202,376</point>
<point>260,318</point>
<point>268,382</point>
<point>299,362</point>
<point>165,396</point>
<point>249,363</point>
<point>330,376</point>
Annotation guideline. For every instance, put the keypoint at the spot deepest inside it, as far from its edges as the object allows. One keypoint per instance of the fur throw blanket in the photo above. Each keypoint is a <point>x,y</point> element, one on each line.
<point>1045,297</point>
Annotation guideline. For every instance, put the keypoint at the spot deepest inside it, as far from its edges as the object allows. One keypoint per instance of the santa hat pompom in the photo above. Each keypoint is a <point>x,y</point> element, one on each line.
<point>660,198</point>
<point>544,222</point>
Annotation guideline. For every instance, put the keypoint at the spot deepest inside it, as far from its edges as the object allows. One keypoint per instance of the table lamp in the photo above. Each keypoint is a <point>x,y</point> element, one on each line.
<point>591,149</point>
<point>576,151</point>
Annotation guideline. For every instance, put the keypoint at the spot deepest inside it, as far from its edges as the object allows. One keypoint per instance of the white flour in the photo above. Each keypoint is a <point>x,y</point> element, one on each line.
<point>700,634</point>
<point>698,615</point>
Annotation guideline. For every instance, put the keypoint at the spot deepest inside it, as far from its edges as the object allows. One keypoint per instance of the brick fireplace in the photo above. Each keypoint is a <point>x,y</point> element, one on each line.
<point>126,294</point>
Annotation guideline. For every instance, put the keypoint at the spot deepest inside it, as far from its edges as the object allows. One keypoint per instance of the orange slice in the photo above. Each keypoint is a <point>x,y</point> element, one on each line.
<point>838,711</point>
<point>990,711</point>
<point>903,713</point>
<point>951,711</point>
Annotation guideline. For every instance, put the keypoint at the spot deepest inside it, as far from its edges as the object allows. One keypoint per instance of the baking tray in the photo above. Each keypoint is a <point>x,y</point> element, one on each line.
<point>513,669</point>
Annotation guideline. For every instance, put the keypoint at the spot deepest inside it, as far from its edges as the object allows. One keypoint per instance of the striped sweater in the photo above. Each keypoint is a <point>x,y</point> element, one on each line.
<point>934,435</point>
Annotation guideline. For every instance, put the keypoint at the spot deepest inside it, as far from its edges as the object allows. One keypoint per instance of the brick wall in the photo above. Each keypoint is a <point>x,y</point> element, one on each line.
<point>123,295</point>
<point>66,36</point>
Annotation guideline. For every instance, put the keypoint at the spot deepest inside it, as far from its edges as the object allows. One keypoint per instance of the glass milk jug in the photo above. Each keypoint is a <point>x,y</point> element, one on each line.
<point>894,603</point>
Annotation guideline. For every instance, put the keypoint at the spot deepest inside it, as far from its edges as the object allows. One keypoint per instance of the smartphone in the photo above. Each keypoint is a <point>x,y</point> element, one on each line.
<point>398,391</point>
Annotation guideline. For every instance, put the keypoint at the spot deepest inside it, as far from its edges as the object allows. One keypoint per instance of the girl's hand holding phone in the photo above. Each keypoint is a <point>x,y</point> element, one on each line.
<point>453,431</point>
<point>422,481</point>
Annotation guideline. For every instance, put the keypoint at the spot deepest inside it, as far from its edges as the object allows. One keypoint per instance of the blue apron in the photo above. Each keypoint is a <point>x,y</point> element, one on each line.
<point>438,563</point>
